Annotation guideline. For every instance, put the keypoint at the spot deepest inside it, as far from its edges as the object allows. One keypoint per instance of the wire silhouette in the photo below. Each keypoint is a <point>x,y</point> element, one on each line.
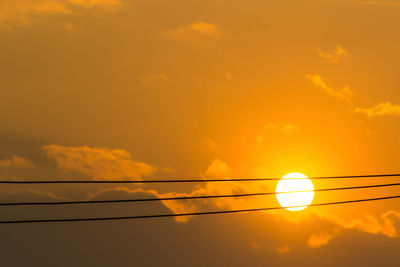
<point>190,180</point>
<point>191,197</point>
<point>189,214</point>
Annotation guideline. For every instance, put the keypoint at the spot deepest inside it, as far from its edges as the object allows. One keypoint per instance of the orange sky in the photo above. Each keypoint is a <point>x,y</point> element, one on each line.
<point>123,89</point>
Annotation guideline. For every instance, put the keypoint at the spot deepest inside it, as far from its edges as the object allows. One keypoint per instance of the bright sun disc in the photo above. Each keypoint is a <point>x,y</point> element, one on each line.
<point>288,184</point>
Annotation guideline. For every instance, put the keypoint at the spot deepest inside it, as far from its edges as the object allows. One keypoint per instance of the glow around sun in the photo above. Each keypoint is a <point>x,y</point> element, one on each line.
<point>288,183</point>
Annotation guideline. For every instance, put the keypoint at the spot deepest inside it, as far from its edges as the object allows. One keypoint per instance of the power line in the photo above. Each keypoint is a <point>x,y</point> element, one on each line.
<point>190,180</point>
<point>188,214</point>
<point>190,197</point>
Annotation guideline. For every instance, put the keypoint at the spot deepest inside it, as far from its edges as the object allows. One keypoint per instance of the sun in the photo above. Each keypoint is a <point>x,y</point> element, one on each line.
<point>289,184</point>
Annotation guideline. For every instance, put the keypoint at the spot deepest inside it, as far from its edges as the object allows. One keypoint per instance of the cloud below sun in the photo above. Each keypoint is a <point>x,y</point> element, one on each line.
<point>108,164</point>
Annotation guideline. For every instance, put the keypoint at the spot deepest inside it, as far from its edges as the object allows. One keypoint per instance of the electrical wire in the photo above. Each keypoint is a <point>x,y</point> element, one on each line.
<point>187,214</point>
<point>190,197</point>
<point>189,180</point>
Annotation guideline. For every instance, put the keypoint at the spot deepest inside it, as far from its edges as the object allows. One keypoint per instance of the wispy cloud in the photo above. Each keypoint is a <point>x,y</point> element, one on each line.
<point>23,11</point>
<point>15,162</point>
<point>381,109</point>
<point>200,32</point>
<point>98,163</point>
<point>335,55</point>
<point>344,94</point>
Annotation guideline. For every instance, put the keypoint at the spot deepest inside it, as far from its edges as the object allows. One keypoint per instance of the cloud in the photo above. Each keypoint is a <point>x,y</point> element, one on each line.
<point>98,163</point>
<point>106,164</point>
<point>318,240</point>
<point>23,11</point>
<point>15,162</point>
<point>217,169</point>
<point>344,94</point>
<point>335,55</point>
<point>381,109</point>
<point>187,206</point>
<point>103,163</point>
<point>383,224</point>
<point>200,32</point>
<point>175,206</point>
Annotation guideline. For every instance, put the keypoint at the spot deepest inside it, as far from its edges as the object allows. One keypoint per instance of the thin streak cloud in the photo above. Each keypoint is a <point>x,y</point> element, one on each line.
<point>379,110</point>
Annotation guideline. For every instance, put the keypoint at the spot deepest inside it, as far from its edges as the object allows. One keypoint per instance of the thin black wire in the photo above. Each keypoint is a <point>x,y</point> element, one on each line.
<point>190,197</point>
<point>191,213</point>
<point>190,180</point>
